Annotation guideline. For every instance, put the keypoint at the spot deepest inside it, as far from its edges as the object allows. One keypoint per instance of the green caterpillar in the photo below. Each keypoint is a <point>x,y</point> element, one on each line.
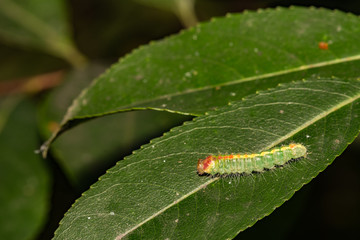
<point>248,163</point>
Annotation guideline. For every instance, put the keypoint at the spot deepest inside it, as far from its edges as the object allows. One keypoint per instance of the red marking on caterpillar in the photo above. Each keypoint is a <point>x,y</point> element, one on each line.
<point>323,45</point>
<point>248,163</point>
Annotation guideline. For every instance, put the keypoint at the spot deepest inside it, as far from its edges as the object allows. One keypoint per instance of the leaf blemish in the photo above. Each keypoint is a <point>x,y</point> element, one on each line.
<point>323,45</point>
<point>188,74</point>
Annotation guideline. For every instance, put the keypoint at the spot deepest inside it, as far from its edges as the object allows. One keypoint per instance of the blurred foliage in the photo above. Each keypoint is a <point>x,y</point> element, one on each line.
<point>24,177</point>
<point>93,35</point>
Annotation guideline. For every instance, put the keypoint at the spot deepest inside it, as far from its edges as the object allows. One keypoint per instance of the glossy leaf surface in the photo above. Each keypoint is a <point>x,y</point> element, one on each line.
<point>225,60</point>
<point>157,193</point>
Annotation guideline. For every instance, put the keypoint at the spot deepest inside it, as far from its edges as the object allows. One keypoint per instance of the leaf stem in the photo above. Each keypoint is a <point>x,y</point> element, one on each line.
<point>185,10</point>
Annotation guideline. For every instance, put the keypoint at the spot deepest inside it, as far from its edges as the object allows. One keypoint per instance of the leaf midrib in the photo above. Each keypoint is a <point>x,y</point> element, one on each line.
<point>234,82</point>
<point>273,144</point>
<point>315,119</point>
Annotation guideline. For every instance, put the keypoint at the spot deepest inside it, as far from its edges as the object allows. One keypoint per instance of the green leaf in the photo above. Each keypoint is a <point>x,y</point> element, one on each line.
<point>224,60</point>
<point>24,179</point>
<point>157,193</point>
<point>91,148</point>
<point>38,24</point>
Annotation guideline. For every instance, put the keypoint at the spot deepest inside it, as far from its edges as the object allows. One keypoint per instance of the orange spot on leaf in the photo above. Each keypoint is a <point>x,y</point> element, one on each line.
<point>323,45</point>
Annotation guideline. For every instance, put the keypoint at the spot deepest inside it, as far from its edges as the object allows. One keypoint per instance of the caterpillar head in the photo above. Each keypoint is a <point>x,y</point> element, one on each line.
<point>204,165</point>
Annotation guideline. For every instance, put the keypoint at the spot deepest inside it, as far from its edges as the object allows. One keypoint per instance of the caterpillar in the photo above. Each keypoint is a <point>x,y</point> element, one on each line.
<point>248,163</point>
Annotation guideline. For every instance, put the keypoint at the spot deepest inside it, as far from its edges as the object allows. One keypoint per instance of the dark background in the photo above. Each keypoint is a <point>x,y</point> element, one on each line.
<point>104,31</point>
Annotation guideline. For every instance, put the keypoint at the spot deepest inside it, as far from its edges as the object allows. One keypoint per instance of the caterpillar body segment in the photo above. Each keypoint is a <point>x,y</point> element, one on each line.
<point>248,163</point>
